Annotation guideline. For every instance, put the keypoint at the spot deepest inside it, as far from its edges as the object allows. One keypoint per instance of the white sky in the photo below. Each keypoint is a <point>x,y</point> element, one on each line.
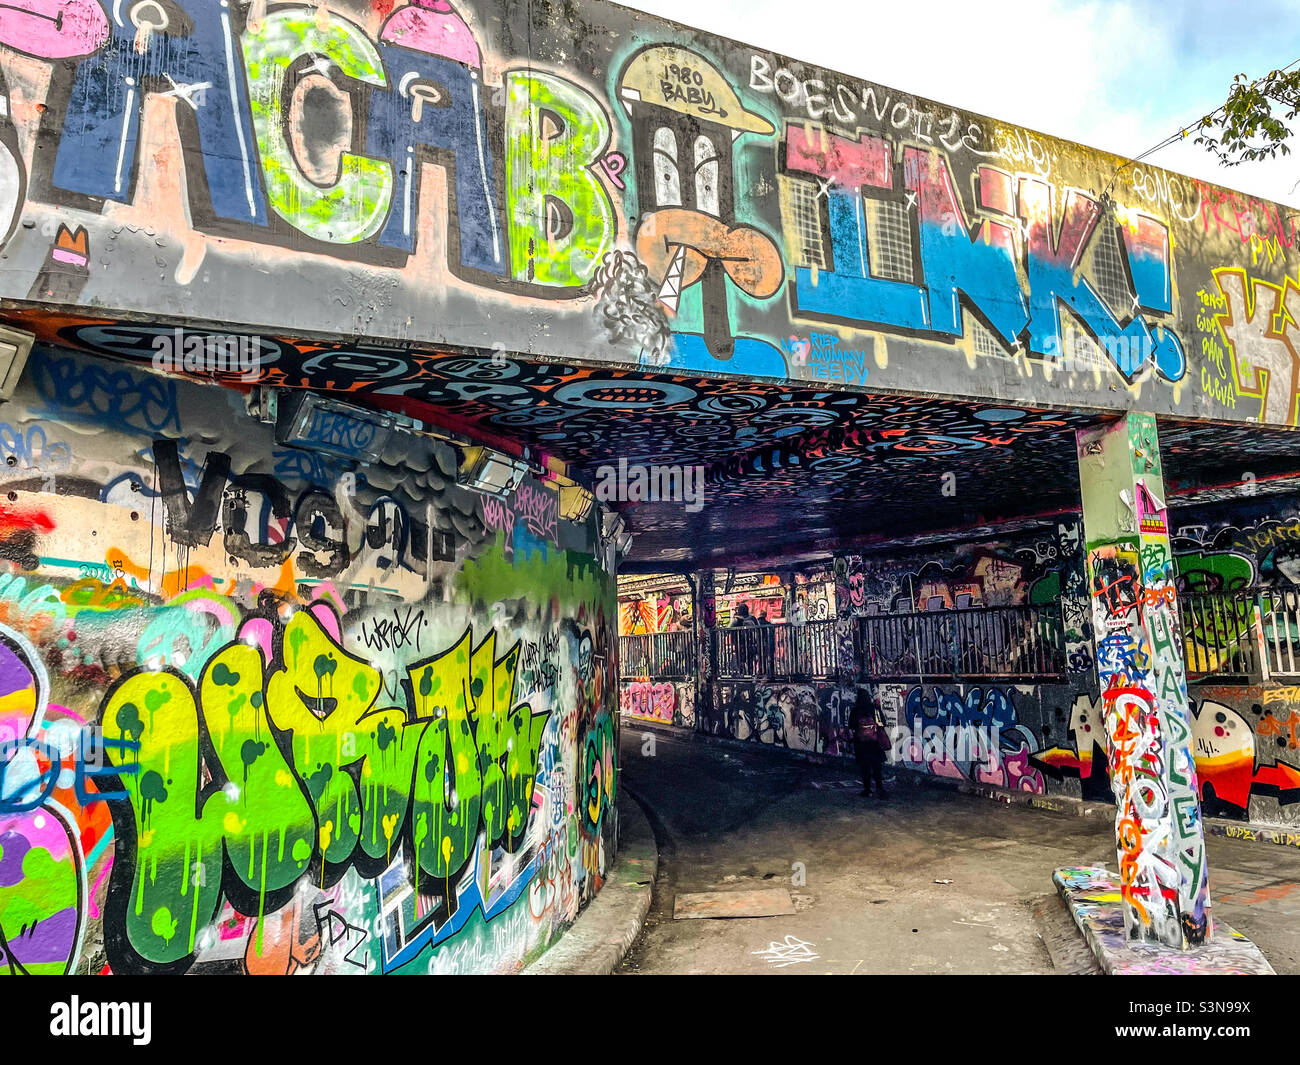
<point>1115,74</point>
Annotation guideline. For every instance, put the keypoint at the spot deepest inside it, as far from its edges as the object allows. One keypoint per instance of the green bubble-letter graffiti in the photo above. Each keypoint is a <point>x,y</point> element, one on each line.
<point>561,217</point>
<point>251,817</point>
<point>355,206</point>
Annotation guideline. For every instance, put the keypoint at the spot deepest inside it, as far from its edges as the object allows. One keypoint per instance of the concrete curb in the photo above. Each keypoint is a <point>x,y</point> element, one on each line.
<point>1251,833</point>
<point>1092,896</point>
<point>603,933</point>
<point>689,735</point>
<point>1240,831</point>
<point>1056,804</point>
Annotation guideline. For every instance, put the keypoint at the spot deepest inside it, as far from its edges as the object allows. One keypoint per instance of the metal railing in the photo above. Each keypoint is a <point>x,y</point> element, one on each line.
<point>1012,641</point>
<point>785,650</point>
<point>658,654</point>
<point>1280,622</point>
<point>1249,632</point>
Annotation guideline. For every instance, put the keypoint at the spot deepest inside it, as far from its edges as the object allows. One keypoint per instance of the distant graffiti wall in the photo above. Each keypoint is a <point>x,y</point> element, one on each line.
<point>594,184</point>
<point>800,716</point>
<point>266,711</point>
<point>1028,567</point>
<point>654,613</point>
<point>1037,567</point>
<point>1246,543</point>
<point>665,701</point>
<point>984,734</point>
<point>1051,737</point>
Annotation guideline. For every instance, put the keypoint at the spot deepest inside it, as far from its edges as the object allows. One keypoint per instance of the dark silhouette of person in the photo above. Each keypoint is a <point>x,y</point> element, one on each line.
<point>869,743</point>
<point>766,645</point>
<point>746,649</point>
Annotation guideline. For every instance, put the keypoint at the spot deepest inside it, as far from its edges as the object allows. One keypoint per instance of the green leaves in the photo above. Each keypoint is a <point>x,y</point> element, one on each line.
<point>1254,122</point>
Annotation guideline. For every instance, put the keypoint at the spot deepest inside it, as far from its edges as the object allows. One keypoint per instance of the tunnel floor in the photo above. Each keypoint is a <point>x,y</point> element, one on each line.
<point>875,897</point>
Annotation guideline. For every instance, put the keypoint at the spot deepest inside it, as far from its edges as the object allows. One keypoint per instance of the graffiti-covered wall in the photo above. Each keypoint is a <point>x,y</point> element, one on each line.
<point>668,702</point>
<point>797,715</point>
<point>266,711</point>
<point>1246,543</point>
<point>1020,568</point>
<point>1050,739</point>
<point>1045,737</point>
<point>589,183</point>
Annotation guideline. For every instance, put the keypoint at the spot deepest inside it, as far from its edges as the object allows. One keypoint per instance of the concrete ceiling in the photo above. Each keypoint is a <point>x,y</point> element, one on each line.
<point>788,472</point>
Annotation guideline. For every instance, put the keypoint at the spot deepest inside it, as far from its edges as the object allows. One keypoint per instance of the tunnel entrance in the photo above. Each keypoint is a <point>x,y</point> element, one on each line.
<point>928,548</point>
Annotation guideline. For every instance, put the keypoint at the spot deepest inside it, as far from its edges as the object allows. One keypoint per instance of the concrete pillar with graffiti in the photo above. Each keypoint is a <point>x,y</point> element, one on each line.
<point>1139,653</point>
<point>706,619</point>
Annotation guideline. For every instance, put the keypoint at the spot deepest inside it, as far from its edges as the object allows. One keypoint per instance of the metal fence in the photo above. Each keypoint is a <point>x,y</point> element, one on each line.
<point>1249,633</point>
<point>1012,641</point>
<point>658,654</point>
<point>785,650</point>
<point>1280,622</point>
<point>1245,633</point>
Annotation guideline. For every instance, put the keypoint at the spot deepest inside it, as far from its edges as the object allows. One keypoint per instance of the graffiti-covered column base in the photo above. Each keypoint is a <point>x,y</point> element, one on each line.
<point>1092,895</point>
<point>1138,642</point>
<point>264,709</point>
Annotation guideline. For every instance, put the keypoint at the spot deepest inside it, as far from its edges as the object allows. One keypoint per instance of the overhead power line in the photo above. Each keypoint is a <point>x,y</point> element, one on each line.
<point>1181,134</point>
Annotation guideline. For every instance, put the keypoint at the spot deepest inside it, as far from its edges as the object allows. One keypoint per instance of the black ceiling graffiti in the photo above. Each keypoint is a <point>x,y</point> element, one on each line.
<point>788,471</point>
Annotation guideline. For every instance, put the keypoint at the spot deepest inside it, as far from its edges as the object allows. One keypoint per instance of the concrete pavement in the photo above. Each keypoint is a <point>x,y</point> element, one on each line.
<point>930,882</point>
<point>603,932</point>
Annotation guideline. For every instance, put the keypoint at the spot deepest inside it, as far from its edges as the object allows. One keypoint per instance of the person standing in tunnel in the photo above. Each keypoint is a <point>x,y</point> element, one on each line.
<point>746,641</point>
<point>766,644</point>
<point>870,742</point>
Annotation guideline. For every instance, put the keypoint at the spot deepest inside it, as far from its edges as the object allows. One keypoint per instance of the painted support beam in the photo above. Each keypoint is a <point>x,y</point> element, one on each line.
<point>706,619</point>
<point>1138,642</point>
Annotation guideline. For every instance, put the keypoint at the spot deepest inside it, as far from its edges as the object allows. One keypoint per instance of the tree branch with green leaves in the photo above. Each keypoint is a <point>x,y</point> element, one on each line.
<point>1255,121</point>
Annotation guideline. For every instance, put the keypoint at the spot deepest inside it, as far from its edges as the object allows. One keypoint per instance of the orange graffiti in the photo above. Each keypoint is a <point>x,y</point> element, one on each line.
<point>1271,726</point>
<point>1157,596</point>
<point>1129,831</point>
<point>278,944</point>
<point>750,258</point>
<point>171,584</point>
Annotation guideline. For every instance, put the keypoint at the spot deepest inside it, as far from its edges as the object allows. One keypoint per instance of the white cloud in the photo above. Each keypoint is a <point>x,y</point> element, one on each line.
<point>1103,73</point>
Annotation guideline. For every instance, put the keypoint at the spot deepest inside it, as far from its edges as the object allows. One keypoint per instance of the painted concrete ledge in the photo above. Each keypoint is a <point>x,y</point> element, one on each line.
<point>1091,894</point>
<point>1252,833</point>
<point>606,929</point>
<point>1241,831</point>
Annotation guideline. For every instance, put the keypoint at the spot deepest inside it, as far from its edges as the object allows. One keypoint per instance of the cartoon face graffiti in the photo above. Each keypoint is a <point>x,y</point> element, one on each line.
<point>685,118</point>
<point>857,587</point>
<point>1225,752</point>
<point>584,658</point>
